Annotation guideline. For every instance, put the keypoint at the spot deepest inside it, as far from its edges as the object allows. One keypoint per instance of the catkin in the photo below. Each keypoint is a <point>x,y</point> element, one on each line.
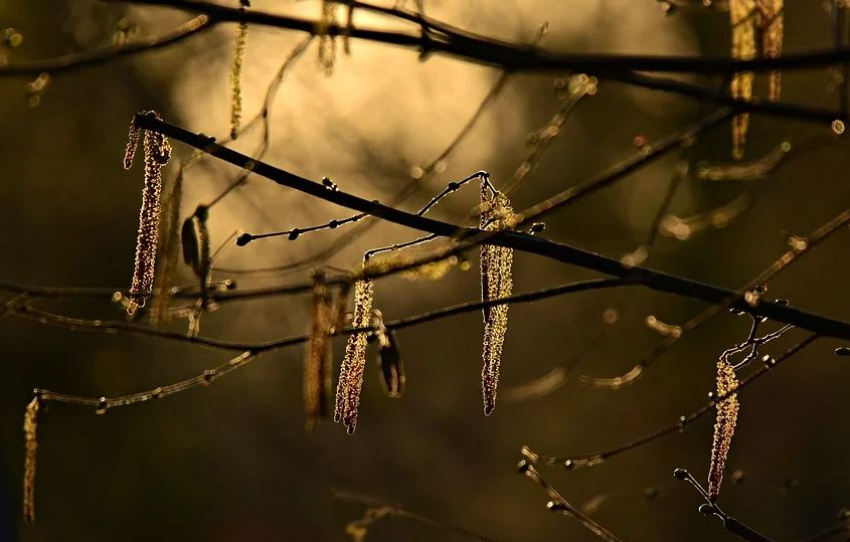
<point>772,32</point>
<point>741,17</point>
<point>724,426</point>
<point>317,368</point>
<point>496,283</point>
<point>351,372</point>
<point>30,452</point>
<point>757,28</point>
<point>157,154</point>
<point>236,80</point>
<point>169,242</point>
<point>327,42</point>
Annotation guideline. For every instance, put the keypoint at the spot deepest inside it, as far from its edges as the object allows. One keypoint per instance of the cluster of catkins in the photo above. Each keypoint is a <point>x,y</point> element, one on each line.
<point>157,154</point>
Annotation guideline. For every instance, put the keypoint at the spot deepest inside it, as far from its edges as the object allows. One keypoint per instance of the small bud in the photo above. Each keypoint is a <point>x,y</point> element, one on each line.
<point>244,239</point>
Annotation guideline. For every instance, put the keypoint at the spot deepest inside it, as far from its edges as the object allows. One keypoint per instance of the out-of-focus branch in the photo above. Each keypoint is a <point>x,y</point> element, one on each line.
<point>437,37</point>
<point>103,55</point>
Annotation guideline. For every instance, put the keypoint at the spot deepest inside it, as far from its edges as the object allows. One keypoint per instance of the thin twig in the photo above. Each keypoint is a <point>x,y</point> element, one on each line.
<point>595,458</point>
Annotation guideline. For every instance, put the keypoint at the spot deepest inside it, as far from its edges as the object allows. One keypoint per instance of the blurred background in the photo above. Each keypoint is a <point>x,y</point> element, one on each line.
<point>233,462</point>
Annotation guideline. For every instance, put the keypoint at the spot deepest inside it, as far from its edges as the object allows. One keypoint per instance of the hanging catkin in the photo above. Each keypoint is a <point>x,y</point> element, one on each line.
<point>236,80</point>
<point>742,19</point>
<point>496,283</point>
<point>772,32</point>
<point>30,452</point>
<point>169,246</point>
<point>317,368</point>
<point>757,29</point>
<point>157,154</point>
<point>724,426</point>
<point>351,372</point>
<point>327,42</point>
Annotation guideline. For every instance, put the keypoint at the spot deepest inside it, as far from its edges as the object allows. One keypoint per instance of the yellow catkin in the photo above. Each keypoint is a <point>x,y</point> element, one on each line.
<point>317,369</point>
<point>772,33</point>
<point>327,42</point>
<point>157,154</point>
<point>30,453</point>
<point>169,246</point>
<point>724,426</point>
<point>743,21</point>
<point>496,283</point>
<point>236,80</point>
<point>351,372</point>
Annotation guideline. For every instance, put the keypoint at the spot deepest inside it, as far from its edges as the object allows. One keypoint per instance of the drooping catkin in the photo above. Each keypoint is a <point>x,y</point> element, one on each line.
<point>496,283</point>
<point>157,154</point>
<point>169,246</point>
<point>132,145</point>
<point>724,426</point>
<point>772,33</point>
<point>236,80</point>
<point>327,42</point>
<point>317,365</point>
<point>30,453</point>
<point>351,372</point>
<point>742,19</point>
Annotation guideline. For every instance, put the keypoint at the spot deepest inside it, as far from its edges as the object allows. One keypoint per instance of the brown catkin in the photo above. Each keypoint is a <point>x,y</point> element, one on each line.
<point>169,246</point>
<point>742,19</point>
<point>327,42</point>
<point>236,80</point>
<point>157,154</point>
<point>132,145</point>
<point>351,372</point>
<point>724,426</point>
<point>30,453</point>
<point>496,283</point>
<point>317,368</point>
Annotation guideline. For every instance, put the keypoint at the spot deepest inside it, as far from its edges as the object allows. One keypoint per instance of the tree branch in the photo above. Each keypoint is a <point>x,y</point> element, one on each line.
<point>654,280</point>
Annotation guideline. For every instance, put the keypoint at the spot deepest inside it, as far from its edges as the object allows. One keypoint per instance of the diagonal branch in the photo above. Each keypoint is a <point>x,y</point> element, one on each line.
<point>531,244</point>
